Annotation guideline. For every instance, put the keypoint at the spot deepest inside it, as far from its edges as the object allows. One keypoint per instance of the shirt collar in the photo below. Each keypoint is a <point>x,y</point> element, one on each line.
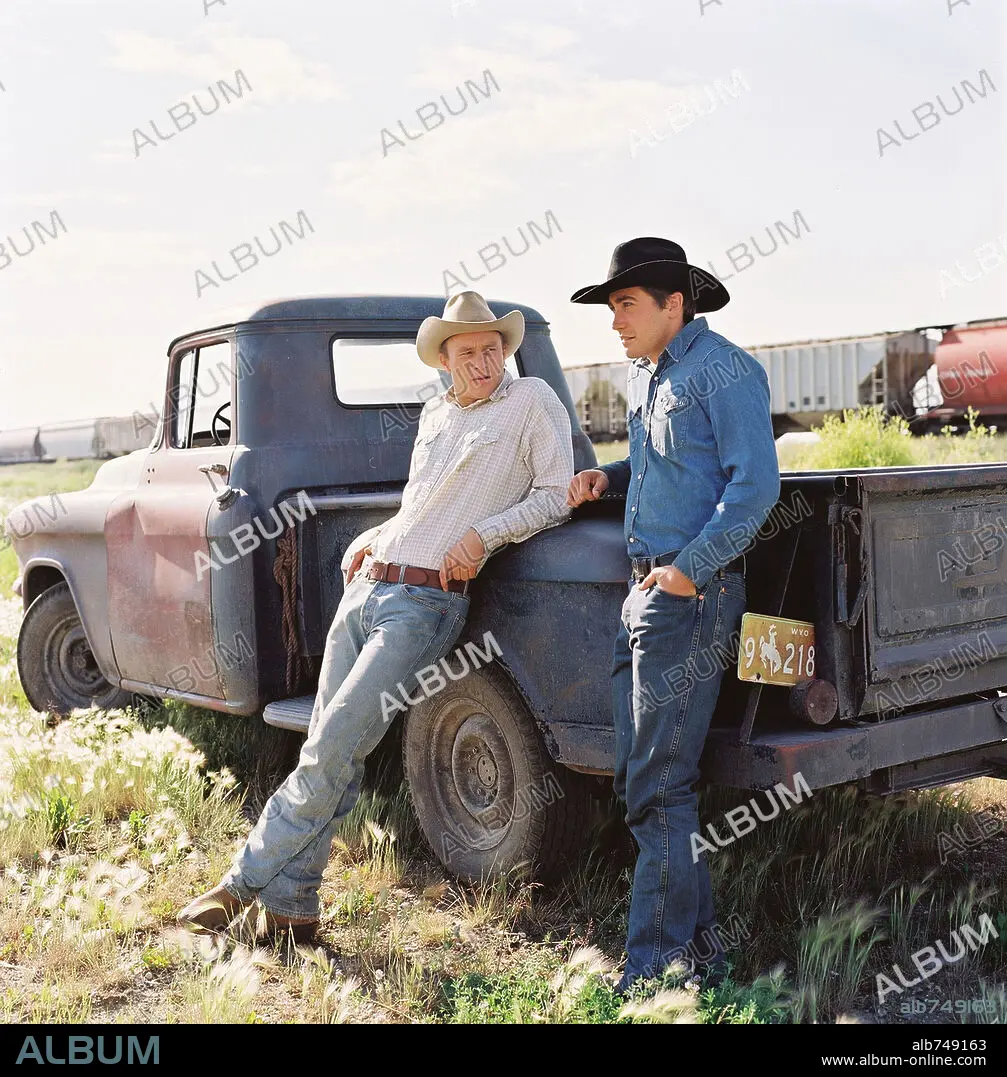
<point>680,342</point>
<point>498,393</point>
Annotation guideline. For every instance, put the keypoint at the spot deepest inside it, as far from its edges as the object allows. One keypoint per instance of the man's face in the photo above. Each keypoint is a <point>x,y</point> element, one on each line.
<point>643,327</point>
<point>475,362</point>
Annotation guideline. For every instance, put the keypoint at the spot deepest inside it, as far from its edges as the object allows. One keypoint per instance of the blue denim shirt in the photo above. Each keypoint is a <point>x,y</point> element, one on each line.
<point>702,474</point>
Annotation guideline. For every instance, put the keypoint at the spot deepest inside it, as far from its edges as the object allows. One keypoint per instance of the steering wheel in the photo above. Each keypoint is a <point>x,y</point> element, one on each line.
<point>224,422</point>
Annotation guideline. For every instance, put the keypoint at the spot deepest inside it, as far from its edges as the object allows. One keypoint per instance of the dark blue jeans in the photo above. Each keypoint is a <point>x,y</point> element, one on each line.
<point>670,656</point>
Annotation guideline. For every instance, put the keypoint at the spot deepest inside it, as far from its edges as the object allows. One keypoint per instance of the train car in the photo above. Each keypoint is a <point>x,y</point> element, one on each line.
<point>79,439</point>
<point>76,440</point>
<point>20,446</point>
<point>970,370</point>
<point>599,394</point>
<point>807,379</point>
<point>118,435</point>
<point>814,378</point>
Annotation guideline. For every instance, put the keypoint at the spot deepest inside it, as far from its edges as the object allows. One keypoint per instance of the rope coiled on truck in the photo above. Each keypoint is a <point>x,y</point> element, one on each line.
<point>285,574</point>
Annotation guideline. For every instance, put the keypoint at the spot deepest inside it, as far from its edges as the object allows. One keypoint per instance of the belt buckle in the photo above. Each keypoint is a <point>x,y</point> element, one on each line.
<point>402,574</point>
<point>640,573</point>
<point>743,569</point>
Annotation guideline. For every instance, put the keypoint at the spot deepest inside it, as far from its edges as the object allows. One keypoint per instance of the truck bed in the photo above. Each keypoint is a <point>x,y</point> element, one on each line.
<point>910,618</point>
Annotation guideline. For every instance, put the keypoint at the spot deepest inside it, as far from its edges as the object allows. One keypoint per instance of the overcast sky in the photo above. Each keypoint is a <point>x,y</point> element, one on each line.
<point>574,121</point>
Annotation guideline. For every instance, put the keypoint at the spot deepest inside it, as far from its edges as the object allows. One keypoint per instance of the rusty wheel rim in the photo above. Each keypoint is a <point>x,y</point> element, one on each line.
<point>71,669</point>
<point>478,789</point>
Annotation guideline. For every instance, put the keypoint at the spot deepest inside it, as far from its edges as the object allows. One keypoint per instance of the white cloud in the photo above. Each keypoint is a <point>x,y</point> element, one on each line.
<point>276,72</point>
<point>44,201</point>
<point>626,13</point>
<point>543,37</point>
<point>543,108</point>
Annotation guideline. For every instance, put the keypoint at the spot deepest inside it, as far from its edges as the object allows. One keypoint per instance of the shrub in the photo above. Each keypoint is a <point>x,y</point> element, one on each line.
<point>863,437</point>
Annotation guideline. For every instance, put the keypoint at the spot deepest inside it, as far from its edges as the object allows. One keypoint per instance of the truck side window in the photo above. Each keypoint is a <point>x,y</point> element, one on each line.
<point>202,386</point>
<point>382,370</point>
<point>182,393</point>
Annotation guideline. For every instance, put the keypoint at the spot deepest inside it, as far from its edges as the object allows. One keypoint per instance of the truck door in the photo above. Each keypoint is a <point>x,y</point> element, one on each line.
<point>159,555</point>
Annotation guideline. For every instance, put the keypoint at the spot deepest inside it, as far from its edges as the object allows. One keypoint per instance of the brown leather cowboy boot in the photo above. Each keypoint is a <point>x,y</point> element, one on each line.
<point>211,911</point>
<point>276,926</point>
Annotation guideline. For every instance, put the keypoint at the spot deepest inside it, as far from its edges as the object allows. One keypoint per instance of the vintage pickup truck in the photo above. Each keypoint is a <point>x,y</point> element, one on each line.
<point>206,568</point>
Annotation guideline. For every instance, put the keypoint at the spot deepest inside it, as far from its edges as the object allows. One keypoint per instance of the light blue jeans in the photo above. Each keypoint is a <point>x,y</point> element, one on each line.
<point>381,636</point>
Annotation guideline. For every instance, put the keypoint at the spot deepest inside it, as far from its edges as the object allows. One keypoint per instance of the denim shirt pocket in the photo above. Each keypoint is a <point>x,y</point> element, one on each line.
<point>634,422</point>
<point>670,420</point>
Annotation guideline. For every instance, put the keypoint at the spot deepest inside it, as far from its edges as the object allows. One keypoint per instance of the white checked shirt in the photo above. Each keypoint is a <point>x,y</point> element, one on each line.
<point>501,465</point>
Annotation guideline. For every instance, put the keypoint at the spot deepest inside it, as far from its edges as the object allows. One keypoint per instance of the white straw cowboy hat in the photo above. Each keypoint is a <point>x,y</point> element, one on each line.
<point>467,312</point>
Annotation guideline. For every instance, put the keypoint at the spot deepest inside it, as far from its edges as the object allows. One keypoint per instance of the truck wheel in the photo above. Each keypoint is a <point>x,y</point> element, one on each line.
<point>484,790</point>
<point>54,661</point>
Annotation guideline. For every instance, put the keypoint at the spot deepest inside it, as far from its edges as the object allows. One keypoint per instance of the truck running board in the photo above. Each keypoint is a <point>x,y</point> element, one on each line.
<point>293,713</point>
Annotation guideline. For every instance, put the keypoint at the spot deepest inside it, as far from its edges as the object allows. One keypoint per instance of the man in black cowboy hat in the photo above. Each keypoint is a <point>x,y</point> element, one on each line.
<point>700,479</point>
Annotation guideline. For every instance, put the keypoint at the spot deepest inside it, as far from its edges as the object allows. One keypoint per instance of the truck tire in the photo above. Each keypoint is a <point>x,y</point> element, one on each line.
<point>485,792</point>
<point>54,661</point>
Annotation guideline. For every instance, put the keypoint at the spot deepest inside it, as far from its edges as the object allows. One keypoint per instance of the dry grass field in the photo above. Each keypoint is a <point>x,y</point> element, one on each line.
<point>111,821</point>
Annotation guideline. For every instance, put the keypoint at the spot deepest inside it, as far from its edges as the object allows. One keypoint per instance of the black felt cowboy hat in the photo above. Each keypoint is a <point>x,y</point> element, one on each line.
<point>659,263</point>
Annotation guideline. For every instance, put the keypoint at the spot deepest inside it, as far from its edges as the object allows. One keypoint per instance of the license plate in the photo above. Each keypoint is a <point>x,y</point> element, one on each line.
<point>776,650</point>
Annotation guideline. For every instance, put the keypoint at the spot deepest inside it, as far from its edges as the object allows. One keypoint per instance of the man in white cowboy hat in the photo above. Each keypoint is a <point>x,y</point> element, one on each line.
<point>491,464</point>
<point>700,479</point>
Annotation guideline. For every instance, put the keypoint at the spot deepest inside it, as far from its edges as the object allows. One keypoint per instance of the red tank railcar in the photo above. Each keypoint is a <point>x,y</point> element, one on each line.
<point>971,364</point>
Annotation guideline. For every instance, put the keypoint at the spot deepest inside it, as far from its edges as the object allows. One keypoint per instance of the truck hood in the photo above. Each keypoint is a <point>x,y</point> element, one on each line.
<point>122,471</point>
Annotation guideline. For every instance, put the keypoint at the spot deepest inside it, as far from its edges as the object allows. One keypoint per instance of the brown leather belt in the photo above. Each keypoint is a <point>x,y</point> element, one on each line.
<point>387,572</point>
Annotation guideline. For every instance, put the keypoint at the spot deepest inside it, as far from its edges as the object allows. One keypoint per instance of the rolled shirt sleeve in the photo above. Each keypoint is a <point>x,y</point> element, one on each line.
<point>618,472</point>
<point>740,416</point>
